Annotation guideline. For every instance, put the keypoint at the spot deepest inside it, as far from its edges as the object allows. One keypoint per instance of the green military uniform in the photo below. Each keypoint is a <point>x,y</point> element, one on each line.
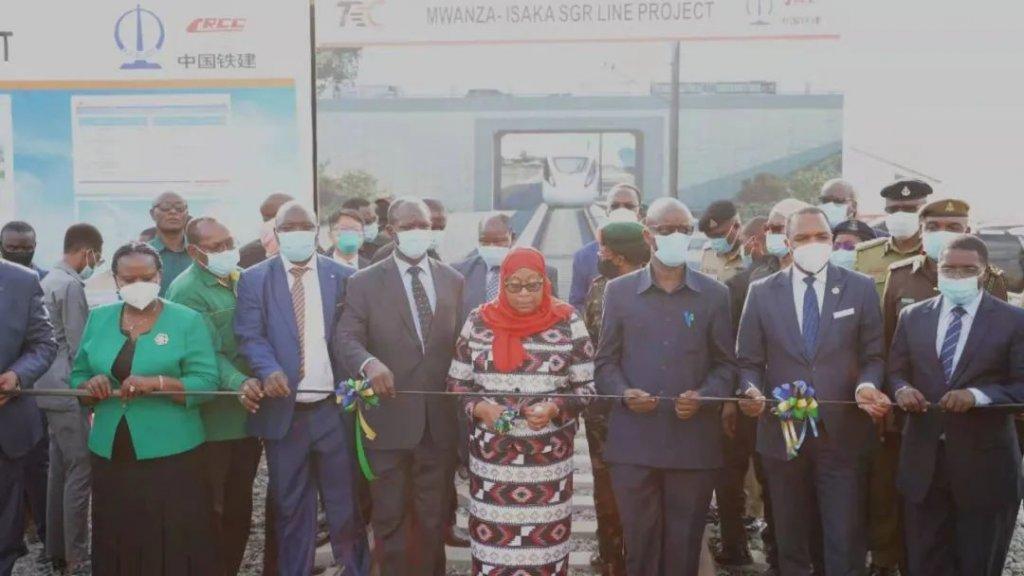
<point>198,289</point>
<point>721,267</point>
<point>593,308</point>
<point>874,258</point>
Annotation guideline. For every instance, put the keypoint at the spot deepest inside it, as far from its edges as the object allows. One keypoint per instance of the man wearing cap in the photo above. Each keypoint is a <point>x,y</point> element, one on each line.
<point>721,258</point>
<point>622,251</point>
<point>903,200</point>
<point>845,238</point>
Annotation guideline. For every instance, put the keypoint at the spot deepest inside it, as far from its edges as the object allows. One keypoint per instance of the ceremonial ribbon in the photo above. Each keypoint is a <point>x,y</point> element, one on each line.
<point>796,403</point>
<point>356,396</point>
<point>503,424</point>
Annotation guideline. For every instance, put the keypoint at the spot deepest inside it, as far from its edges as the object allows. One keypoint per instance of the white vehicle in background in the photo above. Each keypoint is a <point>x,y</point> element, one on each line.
<point>570,181</point>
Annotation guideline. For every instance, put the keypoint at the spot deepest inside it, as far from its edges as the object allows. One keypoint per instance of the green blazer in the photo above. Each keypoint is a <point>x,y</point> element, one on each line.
<point>178,346</point>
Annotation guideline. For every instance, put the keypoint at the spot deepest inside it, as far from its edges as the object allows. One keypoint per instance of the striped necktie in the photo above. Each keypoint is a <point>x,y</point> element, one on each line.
<point>493,276</point>
<point>299,305</point>
<point>422,301</point>
<point>951,341</point>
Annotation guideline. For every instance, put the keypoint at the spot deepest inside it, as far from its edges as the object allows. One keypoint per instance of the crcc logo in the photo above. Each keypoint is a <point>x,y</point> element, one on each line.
<point>759,11</point>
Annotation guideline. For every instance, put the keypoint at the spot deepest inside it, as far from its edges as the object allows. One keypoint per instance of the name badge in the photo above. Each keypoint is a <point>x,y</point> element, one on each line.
<point>906,301</point>
<point>842,313</point>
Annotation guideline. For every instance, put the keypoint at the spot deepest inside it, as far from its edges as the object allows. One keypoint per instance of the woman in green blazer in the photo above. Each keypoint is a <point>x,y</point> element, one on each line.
<point>151,508</point>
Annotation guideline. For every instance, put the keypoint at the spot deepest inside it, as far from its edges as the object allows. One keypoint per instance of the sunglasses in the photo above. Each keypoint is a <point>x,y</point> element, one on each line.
<point>516,287</point>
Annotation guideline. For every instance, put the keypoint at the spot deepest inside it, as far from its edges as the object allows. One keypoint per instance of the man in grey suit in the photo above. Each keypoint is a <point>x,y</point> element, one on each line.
<point>960,468</point>
<point>821,324</point>
<point>26,350</point>
<point>481,268</point>
<point>398,330</point>
<point>67,500</point>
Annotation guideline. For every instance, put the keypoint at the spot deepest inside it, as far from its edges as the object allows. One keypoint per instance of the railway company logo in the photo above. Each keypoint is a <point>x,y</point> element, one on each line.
<point>759,11</point>
<point>358,13</point>
<point>207,25</point>
<point>140,35</point>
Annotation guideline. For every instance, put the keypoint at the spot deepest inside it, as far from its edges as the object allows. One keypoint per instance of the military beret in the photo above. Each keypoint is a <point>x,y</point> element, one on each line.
<point>946,207</point>
<point>907,190</point>
<point>717,212</point>
<point>855,227</point>
<point>619,236</point>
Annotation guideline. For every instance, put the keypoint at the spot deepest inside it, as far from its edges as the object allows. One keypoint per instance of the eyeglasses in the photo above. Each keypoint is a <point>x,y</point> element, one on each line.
<point>845,246</point>
<point>666,229</point>
<point>517,287</point>
<point>960,272</point>
<point>167,207</point>
<point>895,209</point>
<point>627,205</point>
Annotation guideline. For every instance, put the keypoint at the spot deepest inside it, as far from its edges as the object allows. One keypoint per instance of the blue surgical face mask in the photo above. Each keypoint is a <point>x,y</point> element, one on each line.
<point>843,258</point>
<point>222,264</point>
<point>297,246</point>
<point>370,231</point>
<point>349,241</point>
<point>935,242</point>
<point>959,291</point>
<point>437,238</point>
<point>776,244</point>
<point>720,245</point>
<point>415,243</point>
<point>672,249</point>
<point>493,256</point>
<point>836,213</point>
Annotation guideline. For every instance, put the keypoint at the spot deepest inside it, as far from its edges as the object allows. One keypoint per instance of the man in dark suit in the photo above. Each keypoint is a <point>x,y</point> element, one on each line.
<point>666,331</point>
<point>821,324</point>
<point>285,317</point>
<point>481,269</point>
<point>960,468</point>
<point>438,224</point>
<point>255,252</point>
<point>398,330</point>
<point>27,348</point>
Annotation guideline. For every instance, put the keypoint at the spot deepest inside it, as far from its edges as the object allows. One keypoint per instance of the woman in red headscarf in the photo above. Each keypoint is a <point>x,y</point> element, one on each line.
<point>521,448</point>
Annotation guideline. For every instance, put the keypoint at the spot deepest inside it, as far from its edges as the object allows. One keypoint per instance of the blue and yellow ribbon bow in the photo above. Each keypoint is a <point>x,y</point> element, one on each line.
<point>356,396</point>
<point>796,404</point>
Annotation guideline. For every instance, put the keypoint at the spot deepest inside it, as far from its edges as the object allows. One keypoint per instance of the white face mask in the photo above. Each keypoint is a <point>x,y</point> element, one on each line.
<point>811,258</point>
<point>139,295</point>
<point>623,215</point>
<point>902,225</point>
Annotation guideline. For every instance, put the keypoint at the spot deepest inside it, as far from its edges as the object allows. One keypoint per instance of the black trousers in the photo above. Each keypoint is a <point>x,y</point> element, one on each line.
<point>230,470</point>
<point>12,511</point>
<point>37,472</point>
<point>411,507</point>
<point>946,540</point>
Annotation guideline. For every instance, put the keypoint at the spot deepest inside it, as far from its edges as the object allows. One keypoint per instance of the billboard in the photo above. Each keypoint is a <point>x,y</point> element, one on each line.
<point>106,104</point>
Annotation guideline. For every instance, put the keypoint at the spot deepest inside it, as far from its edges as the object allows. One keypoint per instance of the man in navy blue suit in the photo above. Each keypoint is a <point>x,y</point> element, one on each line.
<point>666,331</point>
<point>622,199</point>
<point>27,348</point>
<point>960,468</point>
<point>287,309</point>
<point>820,324</point>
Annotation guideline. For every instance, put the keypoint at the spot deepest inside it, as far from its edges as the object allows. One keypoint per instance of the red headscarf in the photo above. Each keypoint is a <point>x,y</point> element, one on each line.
<point>510,326</point>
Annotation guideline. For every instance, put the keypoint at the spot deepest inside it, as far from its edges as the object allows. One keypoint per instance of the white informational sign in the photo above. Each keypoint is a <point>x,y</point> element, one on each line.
<point>106,104</point>
<point>398,22</point>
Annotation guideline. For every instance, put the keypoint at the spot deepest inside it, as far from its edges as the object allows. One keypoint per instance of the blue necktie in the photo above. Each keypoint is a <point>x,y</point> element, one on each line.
<point>812,316</point>
<point>950,342</point>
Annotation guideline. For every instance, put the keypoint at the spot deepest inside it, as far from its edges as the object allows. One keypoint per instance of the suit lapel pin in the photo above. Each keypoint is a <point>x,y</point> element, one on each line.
<point>835,289</point>
<point>688,318</point>
<point>161,339</point>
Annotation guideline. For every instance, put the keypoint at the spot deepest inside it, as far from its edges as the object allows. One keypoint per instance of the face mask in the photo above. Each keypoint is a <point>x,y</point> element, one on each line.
<point>623,215</point>
<point>935,242</point>
<point>437,238</point>
<point>370,231</point>
<point>608,269</point>
<point>23,258</point>
<point>297,246</point>
<point>222,264</point>
<point>843,258</point>
<point>139,295</point>
<point>349,241</point>
<point>776,244</point>
<point>672,249</point>
<point>720,245</point>
<point>415,243</point>
<point>88,271</point>
<point>493,256</point>
<point>959,291</point>
<point>812,257</point>
<point>835,213</point>
<point>748,260</point>
<point>902,225</point>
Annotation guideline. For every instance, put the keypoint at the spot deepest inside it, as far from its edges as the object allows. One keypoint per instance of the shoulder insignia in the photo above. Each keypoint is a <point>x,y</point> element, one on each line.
<point>914,261</point>
<point>869,244</point>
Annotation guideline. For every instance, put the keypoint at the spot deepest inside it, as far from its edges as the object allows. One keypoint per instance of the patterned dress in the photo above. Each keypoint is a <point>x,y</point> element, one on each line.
<point>521,482</point>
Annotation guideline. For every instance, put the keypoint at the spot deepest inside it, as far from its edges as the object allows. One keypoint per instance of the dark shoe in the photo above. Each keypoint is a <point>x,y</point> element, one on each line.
<point>883,571</point>
<point>734,557</point>
<point>454,539</point>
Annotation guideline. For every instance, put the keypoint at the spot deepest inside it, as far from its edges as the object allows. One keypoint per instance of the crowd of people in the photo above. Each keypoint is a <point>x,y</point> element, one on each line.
<point>690,374</point>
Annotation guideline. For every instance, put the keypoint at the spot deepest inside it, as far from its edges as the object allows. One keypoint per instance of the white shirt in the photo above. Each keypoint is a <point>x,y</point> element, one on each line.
<point>317,362</point>
<point>427,278</point>
<point>800,288</point>
<point>945,319</point>
<point>341,259</point>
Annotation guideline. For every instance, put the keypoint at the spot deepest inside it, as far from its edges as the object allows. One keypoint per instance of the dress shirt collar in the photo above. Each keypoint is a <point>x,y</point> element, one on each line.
<point>971,307</point>
<point>288,265</point>
<point>404,265</point>
<point>796,274</point>
<point>647,280</point>
<point>351,261</point>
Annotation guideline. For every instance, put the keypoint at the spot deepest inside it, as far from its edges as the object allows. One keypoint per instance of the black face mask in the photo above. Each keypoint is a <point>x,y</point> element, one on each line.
<point>608,269</point>
<point>23,258</point>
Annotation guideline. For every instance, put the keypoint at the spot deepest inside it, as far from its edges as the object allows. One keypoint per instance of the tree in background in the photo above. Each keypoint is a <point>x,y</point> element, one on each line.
<point>757,195</point>
<point>334,190</point>
<point>335,67</point>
